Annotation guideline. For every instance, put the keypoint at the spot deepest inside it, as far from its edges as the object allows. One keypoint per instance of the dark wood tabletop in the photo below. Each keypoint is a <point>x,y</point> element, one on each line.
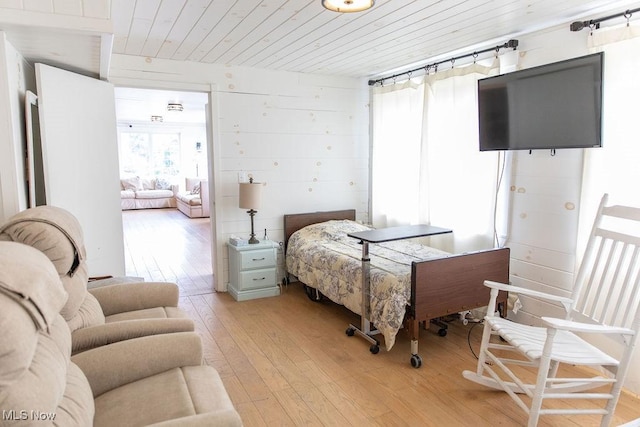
<point>398,233</point>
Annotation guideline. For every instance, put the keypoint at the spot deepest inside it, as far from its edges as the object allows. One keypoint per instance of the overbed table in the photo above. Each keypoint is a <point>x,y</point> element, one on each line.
<point>381,235</point>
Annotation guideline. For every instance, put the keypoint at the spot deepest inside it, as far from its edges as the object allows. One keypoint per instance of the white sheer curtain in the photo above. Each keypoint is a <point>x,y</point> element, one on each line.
<point>458,180</point>
<point>426,166</point>
<point>397,130</point>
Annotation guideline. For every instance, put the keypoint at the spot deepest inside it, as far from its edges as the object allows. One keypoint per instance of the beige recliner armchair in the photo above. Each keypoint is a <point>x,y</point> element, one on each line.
<point>154,380</point>
<point>100,315</point>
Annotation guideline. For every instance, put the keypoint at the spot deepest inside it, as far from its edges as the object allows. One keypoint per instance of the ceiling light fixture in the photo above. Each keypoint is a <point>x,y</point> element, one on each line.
<point>174,106</point>
<point>156,119</point>
<point>345,6</point>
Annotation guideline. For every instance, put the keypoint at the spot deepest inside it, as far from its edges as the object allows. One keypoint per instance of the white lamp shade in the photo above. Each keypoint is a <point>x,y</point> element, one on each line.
<point>250,195</point>
<point>345,6</point>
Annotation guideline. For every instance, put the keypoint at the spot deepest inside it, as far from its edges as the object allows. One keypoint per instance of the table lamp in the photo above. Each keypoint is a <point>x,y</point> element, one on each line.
<point>250,199</point>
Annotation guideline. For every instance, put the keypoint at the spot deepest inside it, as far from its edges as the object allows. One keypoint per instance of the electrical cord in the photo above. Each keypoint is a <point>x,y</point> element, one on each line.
<point>479,322</point>
<point>469,337</point>
<point>502,161</point>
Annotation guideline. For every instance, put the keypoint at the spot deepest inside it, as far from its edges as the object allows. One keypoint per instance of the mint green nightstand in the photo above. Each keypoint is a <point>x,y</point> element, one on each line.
<point>252,271</point>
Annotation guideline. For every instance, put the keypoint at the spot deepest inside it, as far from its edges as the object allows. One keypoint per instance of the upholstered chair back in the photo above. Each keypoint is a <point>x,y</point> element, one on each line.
<point>57,233</point>
<point>38,383</point>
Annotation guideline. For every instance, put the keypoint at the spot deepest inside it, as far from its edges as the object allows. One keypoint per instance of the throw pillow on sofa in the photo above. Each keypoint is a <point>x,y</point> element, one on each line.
<point>162,184</point>
<point>148,184</point>
<point>133,183</point>
<point>196,189</point>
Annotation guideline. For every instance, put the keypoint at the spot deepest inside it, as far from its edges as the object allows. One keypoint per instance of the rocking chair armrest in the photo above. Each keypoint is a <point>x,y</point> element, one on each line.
<point>529,292</point>
<point>570,325</point>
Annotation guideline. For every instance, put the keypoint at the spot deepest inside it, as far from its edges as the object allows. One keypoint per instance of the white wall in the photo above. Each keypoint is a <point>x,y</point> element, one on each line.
<point>305,136</point>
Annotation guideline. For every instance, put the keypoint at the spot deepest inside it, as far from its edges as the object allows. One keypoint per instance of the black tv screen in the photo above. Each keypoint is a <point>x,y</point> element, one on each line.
<point>552,106</point>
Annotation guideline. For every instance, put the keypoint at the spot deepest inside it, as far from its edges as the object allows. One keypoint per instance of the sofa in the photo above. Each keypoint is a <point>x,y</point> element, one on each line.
<point>104,314</point>
<point>141,193</point>
<point>194,201</point>
<point>154,380</point>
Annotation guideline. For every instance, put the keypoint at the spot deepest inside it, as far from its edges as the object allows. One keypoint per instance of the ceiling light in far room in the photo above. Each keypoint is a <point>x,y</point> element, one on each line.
<point>174,106</point>
<point>157,119</point>
<point>345,6</point>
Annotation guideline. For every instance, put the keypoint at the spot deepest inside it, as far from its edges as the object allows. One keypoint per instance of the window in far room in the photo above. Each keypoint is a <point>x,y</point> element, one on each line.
<point>149,154</point>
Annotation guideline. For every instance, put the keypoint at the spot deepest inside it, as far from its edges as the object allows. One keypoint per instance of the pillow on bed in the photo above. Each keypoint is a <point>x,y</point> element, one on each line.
<point>333,229</point>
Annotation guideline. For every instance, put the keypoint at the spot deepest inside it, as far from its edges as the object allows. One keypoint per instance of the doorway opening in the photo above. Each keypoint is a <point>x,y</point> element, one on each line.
<point>162,147</point>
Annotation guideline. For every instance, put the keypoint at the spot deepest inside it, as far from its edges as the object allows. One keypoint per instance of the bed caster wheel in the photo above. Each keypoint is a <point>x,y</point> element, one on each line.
<point>442,332</point>
<point>416,361</point>
<point>374,349</point>
<point>313,294</point>
<point>350,332</point>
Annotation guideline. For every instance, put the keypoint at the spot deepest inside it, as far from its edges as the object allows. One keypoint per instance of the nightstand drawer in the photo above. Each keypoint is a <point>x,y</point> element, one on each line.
<point>252,271</point>
<point>257,259</point>
<point>257,278</point>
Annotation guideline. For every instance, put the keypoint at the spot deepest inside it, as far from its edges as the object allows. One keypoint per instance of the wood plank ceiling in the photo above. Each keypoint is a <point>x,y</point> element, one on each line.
<point>301,36</point>
<point>291,35</point>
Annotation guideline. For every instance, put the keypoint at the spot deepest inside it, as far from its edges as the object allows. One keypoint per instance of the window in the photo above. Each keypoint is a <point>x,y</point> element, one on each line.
<point>426,166</point>
<point>149,154</point>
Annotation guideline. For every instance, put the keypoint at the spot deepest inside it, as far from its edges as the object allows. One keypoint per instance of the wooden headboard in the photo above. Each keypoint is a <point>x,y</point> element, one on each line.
<point>295,222</point>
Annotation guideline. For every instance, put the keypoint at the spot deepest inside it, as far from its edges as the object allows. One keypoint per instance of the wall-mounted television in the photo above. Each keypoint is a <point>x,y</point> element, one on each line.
<point>552,106</point>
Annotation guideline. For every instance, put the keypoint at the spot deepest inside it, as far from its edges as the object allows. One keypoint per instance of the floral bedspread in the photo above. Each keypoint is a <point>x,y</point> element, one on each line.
<point>322,256</point>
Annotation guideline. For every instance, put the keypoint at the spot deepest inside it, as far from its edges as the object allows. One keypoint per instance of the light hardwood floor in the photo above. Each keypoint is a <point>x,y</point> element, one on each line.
<point>287,361</point>
<point>165,245</point>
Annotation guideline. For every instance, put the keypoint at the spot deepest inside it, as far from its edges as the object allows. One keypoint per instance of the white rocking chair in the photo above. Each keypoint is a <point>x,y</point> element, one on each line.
<point>605,303</point>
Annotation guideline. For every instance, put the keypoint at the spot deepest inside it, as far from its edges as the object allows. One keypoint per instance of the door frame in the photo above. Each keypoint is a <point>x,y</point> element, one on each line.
<point>213,153</point>
<point>215,166</point>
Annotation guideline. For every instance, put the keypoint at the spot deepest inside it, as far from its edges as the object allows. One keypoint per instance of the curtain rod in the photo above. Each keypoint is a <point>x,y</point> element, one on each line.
<point>595,23</point>
<point>511,43</point>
